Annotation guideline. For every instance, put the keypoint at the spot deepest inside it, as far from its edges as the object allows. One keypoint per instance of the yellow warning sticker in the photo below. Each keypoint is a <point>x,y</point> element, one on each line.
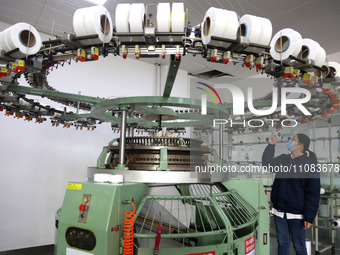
<point>75,186</point>
<point>20,63</point>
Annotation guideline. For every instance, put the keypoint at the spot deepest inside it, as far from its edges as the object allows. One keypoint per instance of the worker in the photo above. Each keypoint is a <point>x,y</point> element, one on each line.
<point>295,193</point>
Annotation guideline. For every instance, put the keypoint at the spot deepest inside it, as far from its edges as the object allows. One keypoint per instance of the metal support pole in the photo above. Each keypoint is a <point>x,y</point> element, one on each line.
<point>331,182</point>
<point>78,103</point>
<point>317,215</point>
<point>230,150</point>
<point>221,143</point>
<point>157,80</point>
<point>122,141</point>
<point>230,142</point>
<point>131,132</point>
<point>122,138</point>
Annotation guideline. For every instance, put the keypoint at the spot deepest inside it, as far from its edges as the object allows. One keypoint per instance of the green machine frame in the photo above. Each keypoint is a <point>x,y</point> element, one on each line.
<point>224,222</point>
<point>100,231</point>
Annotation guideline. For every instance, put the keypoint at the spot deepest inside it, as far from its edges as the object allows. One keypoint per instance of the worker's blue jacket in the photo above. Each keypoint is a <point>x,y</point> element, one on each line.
<point>296,188</point>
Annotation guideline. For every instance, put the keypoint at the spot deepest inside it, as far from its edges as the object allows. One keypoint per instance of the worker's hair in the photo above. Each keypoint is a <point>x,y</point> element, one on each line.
<point>303,139</point>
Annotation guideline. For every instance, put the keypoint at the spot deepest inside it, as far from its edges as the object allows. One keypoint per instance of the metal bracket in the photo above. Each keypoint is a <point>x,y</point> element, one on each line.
<point>163,164</point>
<point>170,79</point>
<point>67,40</point>
<point>150,35</point>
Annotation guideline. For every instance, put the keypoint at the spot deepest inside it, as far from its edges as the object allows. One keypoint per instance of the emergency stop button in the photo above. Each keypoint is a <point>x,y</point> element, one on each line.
<point>84,208</point>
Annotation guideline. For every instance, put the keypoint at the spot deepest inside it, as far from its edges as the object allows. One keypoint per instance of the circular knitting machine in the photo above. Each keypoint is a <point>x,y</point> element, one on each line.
<point>144,195</point>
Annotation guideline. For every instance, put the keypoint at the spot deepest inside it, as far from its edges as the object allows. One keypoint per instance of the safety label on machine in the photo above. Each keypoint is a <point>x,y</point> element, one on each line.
<point>76,186</point>
<point>70,251</point>
<point>249,246</point>
<point>203,253</point>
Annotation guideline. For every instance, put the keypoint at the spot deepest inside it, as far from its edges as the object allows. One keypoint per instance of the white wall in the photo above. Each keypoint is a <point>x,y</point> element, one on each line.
<point>37,160</point>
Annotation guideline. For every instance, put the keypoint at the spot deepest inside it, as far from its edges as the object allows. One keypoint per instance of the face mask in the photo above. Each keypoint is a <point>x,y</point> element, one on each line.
<point>290,145</point>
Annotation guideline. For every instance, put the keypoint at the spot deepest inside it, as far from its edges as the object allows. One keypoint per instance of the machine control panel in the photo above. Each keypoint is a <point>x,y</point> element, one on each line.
<point>84,208</point>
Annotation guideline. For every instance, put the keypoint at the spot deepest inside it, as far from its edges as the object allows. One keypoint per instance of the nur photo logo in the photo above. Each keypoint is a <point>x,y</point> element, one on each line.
<point>239,103</point>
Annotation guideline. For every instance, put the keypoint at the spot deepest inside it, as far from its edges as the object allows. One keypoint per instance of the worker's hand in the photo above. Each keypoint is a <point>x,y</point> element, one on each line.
<point>273,139</point>
<point>307,225</point>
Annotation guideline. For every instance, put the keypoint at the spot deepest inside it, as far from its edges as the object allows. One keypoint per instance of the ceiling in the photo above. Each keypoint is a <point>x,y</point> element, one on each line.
<point>315,19</point>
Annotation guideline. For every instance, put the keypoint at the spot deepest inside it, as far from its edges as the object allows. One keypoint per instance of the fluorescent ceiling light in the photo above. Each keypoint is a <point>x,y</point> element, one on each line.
<point>99,2</point>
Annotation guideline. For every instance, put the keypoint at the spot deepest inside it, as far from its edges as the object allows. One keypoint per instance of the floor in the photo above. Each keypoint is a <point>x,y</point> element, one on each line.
<point>49,250</point>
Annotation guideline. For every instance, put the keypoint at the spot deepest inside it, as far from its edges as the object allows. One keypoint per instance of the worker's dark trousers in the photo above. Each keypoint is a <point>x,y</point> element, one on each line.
<point>290,228</point>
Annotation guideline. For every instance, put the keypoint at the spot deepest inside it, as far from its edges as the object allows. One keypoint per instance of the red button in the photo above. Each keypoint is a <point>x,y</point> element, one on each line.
<point>81,208</point>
